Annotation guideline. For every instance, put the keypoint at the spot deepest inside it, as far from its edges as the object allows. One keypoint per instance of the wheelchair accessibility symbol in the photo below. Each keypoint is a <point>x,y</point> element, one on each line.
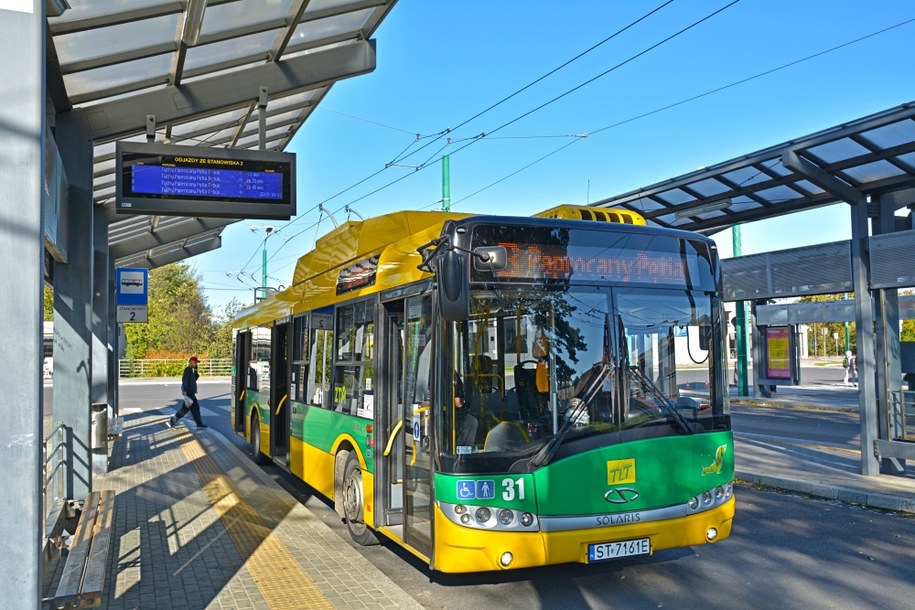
<point>466,490</point>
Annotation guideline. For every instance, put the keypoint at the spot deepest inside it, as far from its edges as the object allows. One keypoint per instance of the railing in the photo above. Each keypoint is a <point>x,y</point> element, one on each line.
<point>162,367</point>
<point>54,465</point>
<point>901,416</point>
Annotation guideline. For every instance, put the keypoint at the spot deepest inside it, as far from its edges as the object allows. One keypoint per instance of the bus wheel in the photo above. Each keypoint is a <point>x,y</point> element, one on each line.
<point>353,504</point>
<point>255,441</point>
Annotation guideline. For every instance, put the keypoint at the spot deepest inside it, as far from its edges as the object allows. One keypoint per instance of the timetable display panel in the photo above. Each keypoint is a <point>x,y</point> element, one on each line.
<point>198,181</point>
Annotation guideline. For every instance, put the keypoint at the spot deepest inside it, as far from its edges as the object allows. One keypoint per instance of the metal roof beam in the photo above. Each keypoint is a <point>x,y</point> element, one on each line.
<point>150,260</point>
<point>823,179</point>
<point>173,233</point>
<point>127,116</point>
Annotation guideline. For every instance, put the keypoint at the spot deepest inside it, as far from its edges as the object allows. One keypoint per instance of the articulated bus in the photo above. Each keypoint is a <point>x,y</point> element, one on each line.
<point>497,393</point>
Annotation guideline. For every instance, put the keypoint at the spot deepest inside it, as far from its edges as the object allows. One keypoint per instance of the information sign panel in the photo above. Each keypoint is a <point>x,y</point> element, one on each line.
<point>170,180</point>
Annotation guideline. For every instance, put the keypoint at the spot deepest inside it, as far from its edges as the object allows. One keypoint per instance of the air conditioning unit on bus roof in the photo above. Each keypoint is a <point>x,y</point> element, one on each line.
<point>581,212</point>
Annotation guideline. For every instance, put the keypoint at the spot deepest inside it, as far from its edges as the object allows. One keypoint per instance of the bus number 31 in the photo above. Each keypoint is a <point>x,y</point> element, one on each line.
<point>510,486</point>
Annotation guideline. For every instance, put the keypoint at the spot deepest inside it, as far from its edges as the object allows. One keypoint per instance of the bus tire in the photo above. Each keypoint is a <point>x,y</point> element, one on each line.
<point>353,504</point>
<point>255,441</point>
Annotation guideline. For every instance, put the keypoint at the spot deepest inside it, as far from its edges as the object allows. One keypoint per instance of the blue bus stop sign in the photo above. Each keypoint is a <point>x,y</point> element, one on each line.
<point>132,286</point>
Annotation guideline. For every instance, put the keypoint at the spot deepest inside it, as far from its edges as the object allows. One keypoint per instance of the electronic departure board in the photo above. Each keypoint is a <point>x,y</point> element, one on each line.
<point>169,180</point>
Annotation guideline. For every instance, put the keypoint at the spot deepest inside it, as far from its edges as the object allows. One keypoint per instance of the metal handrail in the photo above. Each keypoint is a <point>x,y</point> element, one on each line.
<point>53,494</point>
<point>900,417</point>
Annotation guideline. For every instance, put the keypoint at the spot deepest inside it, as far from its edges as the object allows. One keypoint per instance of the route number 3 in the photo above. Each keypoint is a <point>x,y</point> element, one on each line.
<point>512,488</point>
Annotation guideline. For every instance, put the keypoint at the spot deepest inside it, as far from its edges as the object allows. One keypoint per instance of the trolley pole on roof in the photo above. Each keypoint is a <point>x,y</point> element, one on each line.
<point>446,183</point>
<point>740,329</point>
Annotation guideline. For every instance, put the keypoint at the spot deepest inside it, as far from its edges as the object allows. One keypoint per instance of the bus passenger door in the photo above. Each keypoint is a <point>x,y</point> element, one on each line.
<point>389,483</point>
<point>417,402</point>
<point>280,395</point>
<point>407,453</point>
<point>242,355</point>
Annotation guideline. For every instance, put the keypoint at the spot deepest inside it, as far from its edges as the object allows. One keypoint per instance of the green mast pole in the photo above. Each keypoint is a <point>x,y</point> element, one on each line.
<point>264,268</point>
<point>446,183</point>
<point>743,386</point>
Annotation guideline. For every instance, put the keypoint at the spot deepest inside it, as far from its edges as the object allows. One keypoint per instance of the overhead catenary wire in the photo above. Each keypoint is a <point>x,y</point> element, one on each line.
<point>601,129</point>
<point>685,101</point>
<point>558,97</point>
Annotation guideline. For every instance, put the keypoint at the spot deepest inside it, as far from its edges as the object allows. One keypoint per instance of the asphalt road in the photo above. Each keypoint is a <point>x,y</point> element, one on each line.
<point>785,550</point>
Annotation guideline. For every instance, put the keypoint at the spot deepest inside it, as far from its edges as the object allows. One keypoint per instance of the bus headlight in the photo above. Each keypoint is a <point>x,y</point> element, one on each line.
<point>527,519</point>
<point>506,516</point>
<point>483,514</point>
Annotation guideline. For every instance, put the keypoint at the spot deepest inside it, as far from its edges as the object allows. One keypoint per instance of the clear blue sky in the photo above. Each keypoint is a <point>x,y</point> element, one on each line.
<point>442,62</point>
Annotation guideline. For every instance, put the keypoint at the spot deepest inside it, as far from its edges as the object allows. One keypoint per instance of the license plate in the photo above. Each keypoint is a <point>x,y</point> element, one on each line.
<point>622,548</point>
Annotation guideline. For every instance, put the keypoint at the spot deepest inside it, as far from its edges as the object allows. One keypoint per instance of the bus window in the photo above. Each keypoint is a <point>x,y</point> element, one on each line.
<point>259,366</point>
<point>354,373</point>
<point>300,358</point>
<point>322,341</point>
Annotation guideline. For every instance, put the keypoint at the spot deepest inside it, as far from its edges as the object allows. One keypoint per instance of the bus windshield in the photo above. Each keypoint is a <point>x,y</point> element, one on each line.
<point>542,372</point>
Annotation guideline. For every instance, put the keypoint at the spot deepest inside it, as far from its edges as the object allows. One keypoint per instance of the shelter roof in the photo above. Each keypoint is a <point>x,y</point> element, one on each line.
<point>197,67</point>
<point>871,156</point>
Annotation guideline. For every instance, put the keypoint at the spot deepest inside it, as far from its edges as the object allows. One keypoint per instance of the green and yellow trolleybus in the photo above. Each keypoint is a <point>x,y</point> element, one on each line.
<point>497,392</point>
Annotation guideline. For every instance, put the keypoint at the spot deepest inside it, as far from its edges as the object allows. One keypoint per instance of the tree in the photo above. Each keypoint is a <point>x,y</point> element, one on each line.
<point>221,345</point>
<point>48,304</point>
<point>180,322</point>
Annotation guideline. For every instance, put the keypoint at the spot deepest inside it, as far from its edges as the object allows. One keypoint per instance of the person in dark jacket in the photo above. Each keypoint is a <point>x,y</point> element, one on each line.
<point>189,391</point>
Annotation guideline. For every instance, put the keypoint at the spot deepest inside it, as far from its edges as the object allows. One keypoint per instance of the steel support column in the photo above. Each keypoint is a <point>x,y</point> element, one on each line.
<point>73,311</point>
<point>22,131</point>
<point>864,306</point>
<point>864,328</point>
<point>889,367</point>
<point>99,327</point>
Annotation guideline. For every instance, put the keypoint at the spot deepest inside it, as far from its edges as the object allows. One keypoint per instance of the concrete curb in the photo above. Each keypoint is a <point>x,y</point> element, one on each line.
<point>831,491</point>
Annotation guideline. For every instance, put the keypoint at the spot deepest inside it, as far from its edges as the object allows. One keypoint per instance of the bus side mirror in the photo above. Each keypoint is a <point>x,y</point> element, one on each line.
<point>454,291</point>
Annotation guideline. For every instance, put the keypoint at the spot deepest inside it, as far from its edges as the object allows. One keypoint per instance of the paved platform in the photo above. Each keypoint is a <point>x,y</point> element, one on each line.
<point>198,525</point>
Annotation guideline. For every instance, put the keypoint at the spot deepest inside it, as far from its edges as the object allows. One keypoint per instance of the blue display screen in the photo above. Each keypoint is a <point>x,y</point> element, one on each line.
<point>202,178</point>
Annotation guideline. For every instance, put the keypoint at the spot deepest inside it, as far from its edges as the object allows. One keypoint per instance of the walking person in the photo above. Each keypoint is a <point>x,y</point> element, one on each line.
<point>189,391</point>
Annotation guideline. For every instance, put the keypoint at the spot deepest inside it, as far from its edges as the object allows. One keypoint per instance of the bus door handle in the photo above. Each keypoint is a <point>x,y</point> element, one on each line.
<point>280,406</point>
<point>390,445</point>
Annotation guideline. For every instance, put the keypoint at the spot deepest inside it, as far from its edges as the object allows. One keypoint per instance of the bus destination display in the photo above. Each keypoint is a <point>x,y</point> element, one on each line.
<point>172,180</point>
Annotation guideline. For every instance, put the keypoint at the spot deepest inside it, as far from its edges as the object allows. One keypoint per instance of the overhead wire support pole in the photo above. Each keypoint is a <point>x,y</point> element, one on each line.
<point>446,183</point>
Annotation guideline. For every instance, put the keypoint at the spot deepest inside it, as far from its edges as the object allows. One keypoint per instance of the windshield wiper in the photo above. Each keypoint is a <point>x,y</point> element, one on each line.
<point>659,396</point>
<point>545,455</point>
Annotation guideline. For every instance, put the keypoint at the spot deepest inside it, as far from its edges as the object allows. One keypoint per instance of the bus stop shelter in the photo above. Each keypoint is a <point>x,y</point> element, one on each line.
<point>868,164</point>
<point>75,80</point>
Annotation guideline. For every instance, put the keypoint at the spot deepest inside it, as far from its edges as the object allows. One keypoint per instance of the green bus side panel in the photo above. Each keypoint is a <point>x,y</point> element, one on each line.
<point>321,428</point>
<point>664,471</point>
<point>502,490</point>
<point>263,409</point>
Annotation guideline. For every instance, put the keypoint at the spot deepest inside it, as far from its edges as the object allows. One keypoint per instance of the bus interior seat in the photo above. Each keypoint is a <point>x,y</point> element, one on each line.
<point>527,397</point>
